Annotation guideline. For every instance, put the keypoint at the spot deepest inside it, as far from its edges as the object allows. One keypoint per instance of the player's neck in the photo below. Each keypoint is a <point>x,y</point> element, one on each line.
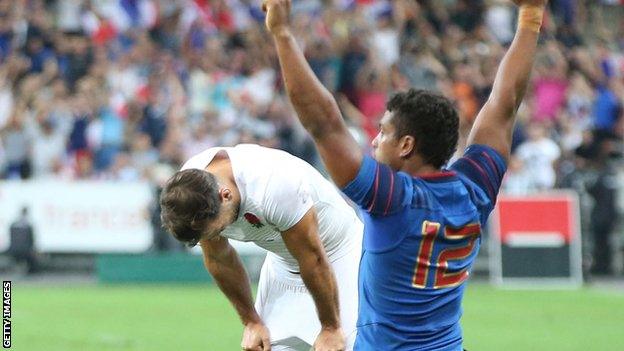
<point>221,167</point>
<point>222,170</point>
<point>416,167</point>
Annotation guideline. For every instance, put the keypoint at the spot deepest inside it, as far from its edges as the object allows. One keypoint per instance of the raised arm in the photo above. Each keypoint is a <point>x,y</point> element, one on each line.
<point>314,104</point>
<point>494,124</point>
<point>225,266</point>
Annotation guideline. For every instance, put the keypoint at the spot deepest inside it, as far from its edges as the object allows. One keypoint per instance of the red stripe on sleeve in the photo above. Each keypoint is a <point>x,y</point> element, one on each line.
<point>491,162</point>
<point>484,175</point>
<point>370,208</point>
<point>390,193</point>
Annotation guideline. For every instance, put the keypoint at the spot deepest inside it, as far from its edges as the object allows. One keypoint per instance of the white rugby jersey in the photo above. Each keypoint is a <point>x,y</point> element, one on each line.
<point>277,190</point>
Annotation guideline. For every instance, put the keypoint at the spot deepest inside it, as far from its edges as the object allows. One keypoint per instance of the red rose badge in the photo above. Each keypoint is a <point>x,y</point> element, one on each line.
<point>253,220</point>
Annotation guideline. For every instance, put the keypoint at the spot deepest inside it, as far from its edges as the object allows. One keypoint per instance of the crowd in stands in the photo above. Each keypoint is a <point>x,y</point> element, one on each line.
<point>129,89</point>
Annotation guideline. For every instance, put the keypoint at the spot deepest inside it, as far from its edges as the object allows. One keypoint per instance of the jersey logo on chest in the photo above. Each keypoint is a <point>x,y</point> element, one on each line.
<point>253,220</point>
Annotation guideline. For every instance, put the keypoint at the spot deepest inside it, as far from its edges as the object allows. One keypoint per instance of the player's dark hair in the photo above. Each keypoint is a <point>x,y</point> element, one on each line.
<point>431,119</point>
<point>189,200</point>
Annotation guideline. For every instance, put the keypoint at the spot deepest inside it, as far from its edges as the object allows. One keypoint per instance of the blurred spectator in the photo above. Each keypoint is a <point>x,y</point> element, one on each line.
<point>17,144</point>
<point>607,106</point>
<point>22,245</point>
<point>604,216</point>
<point>517,181</point>
<point>48,148</point>
<point>565,10</point>
<point>600,154</point>
<point>372,87</point>
<point>352,61</point>
<point>467,14</point>
<point>550,85</point>
<point>499,19</point>
<point>538,155</point>
<point>385,40</point>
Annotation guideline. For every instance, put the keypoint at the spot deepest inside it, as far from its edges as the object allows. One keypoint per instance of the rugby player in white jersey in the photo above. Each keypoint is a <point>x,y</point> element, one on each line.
<point>307,294</point>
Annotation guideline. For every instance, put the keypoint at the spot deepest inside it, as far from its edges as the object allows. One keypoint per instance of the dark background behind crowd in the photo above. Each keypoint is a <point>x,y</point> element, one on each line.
<point>127,90</point>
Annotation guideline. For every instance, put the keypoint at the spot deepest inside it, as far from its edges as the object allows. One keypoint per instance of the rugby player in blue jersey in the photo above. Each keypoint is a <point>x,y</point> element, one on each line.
<point>423,221</point>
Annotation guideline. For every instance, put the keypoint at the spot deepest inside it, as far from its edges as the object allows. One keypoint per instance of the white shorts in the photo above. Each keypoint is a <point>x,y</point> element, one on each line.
<point>286,307</point>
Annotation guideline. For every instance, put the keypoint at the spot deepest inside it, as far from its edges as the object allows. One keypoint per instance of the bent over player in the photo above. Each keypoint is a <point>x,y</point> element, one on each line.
<point>282,204</point>
<point>422,221</point>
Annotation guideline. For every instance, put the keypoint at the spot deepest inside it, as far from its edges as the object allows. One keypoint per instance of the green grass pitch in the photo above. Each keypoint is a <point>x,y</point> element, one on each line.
<point>152,317</point>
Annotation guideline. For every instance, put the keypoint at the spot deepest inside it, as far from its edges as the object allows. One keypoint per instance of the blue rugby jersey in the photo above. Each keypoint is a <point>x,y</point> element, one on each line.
<point>421,237</point>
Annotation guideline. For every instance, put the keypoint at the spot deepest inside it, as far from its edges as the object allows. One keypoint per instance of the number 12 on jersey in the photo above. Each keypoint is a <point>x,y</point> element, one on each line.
<point>444,277</point>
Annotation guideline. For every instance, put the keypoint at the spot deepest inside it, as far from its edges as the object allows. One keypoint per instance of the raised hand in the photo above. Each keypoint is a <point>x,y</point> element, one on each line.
<point>277,15</point>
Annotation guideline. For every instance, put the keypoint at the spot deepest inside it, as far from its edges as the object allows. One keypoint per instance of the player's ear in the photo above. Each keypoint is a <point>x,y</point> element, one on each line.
<point>407,145</point>
<point>225,194</point>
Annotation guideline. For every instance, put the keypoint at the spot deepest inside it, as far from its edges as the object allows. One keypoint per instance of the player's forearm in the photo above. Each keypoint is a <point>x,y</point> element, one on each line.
<point>314,104</point>
<point>231,277</point>
<point>320,281</point>
<point>514,72</point>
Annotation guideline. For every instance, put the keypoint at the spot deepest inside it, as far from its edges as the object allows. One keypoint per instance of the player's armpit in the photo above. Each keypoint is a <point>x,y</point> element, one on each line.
<point>341,155</point>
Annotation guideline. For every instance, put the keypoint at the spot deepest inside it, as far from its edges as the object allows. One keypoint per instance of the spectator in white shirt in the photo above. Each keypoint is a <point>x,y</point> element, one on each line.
<point>539,154</point>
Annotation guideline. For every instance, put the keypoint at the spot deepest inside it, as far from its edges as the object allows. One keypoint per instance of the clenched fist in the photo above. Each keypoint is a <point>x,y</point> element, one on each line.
<point>277,15</point>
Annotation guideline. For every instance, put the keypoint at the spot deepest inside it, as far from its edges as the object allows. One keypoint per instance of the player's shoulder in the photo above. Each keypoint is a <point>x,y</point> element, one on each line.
<point>259,150</point>
<point>202,159</point>
<point>481,170</point>
<point>481,159</point>
<point>257,154</point>
<point>254,148</point>
<point>265,172</point>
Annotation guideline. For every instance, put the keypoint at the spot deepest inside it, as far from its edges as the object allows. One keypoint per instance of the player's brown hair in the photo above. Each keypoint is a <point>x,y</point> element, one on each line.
<point>189,200</point>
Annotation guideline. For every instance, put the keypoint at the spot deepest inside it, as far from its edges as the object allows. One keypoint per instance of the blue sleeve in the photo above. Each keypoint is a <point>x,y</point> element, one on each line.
<point>483,166</point>
<point>377,189</point>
